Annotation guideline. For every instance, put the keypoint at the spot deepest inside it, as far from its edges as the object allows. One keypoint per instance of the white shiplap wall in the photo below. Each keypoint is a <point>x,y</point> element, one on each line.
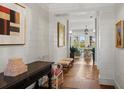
<point>56,53</point>
<point>37,38</point>
<point>119,54</point>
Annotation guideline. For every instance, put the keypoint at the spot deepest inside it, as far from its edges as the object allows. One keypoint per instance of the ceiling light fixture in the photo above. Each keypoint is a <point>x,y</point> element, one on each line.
<point>94,30</point>
<point>86,30</point>
<point>70,32</point>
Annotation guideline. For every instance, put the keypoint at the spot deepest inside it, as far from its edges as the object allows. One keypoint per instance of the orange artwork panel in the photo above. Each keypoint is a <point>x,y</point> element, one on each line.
<point>119,34</point>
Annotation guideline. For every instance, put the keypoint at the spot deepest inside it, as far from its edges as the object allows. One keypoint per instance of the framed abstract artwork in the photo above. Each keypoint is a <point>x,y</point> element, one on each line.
<point>61,34</point>
<point>12,24</point>
<point>120,34</point>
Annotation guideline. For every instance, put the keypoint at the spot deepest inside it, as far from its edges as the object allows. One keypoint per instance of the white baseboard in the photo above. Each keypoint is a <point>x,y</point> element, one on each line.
<point>109,82</point>
<point>106,81</point>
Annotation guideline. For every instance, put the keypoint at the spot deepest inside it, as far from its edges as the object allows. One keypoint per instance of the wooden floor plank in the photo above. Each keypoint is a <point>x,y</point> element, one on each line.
<point>83,75</point>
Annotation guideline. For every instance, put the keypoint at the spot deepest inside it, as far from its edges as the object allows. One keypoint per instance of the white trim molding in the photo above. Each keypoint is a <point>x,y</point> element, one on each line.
<point>110,82</point>
<point>107,82</point>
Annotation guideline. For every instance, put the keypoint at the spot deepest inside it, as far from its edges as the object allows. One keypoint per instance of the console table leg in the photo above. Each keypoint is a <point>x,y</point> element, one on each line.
<point>37,85</point>
<point>50,81</point>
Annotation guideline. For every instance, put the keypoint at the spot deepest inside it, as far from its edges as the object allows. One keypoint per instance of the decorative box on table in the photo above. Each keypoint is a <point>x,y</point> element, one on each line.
<point>15,67</point>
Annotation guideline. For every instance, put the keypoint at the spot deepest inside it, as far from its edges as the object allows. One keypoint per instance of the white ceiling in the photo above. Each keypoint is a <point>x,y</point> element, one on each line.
<point>65,8</point>
<point>71,8</point>
<point>81,25</point>
<point>79,14</point>
<point>84,5</point>
<point>78,21</point>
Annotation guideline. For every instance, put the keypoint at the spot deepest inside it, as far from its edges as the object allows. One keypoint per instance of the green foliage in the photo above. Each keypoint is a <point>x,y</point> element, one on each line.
<point>76,43</point>
<point>77,52</point>
<point>72,49</point>
<point>82,44</point>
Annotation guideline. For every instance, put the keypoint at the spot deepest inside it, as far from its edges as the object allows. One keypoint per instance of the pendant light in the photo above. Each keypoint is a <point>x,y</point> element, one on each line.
<point>86,30</point>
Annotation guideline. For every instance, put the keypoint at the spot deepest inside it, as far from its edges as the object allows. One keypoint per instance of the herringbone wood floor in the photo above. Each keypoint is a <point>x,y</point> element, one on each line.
<point>83,75</point>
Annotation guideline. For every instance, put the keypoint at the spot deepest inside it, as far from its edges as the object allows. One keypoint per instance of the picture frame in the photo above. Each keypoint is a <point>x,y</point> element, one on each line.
<point>12,24</point>
<point>61,34</point>
<point>120,34</point>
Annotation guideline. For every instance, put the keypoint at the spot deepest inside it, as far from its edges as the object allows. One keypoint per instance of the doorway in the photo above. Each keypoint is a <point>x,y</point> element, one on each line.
<point>82,36</point>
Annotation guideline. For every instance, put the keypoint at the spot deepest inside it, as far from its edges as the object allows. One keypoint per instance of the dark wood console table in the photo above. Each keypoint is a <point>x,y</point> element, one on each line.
<point>36,70</point>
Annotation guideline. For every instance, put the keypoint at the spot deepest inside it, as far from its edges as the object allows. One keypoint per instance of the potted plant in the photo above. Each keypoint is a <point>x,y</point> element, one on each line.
<point>77,52</point>
<point>72,52</point>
